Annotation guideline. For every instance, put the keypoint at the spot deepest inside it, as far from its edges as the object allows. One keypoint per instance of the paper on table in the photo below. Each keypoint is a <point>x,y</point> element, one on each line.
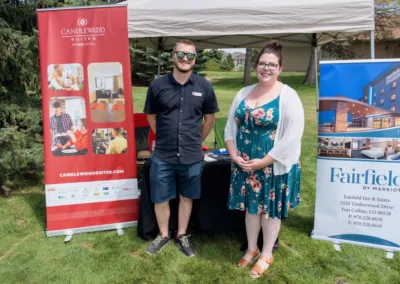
<point>207,158</point>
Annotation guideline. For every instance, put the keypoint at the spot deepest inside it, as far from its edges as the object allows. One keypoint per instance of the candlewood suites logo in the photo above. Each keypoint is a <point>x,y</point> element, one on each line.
<point>83,28</point>
<point>82,22</point>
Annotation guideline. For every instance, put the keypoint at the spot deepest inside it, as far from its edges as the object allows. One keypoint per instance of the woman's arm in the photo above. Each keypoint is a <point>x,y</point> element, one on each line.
<point>258,164</point>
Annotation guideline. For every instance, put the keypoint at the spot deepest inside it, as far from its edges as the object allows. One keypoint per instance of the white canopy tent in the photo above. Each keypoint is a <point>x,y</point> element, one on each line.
<point>239,23</point>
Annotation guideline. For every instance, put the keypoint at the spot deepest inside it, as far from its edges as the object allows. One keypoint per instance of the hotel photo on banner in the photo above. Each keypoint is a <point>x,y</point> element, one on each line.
<point>358,167</point>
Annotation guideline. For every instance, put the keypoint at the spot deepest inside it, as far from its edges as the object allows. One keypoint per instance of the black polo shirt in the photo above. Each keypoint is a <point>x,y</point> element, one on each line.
<point>180,109</point>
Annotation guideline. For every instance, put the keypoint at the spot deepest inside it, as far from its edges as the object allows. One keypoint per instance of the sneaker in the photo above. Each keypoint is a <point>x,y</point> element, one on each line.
<point>157,244</point>
<point>185,245</point>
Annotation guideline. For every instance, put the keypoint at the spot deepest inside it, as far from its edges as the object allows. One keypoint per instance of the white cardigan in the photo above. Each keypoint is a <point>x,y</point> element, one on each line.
<point>287,143</point>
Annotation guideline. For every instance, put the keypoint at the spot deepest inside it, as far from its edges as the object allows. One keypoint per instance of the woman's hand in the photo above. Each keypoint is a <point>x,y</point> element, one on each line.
<point>242,163</point>
<point>255,164</point>
<point>238,160</point>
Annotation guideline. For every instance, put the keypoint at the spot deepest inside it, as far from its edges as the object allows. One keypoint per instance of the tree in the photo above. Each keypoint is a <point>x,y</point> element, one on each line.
<point>227,63</point>
<point>247,68</point>
<point>144,63</point>
<point>215,54</point>
<point>386,13</point>
<point>311,70</point>
<point>21,139</point>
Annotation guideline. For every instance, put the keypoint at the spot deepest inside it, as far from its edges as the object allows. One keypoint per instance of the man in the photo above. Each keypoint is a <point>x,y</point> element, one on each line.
<point>79,138</point>
<point>176,105</point>
<point>118,144</point>
<point>60,123</point>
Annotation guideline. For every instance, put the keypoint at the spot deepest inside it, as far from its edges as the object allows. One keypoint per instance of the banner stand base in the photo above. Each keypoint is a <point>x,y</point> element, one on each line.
<point>70,232</point>
<point>120,232</point>
<point>390,251</point>
<point>390,255</point>
<point>67,239</point>
<point>337,247</point>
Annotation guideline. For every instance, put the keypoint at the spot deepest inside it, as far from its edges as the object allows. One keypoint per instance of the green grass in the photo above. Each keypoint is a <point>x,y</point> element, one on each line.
<point>27,256</point>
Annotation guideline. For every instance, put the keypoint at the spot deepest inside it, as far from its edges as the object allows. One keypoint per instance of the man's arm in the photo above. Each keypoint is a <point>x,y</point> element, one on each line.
<point>209,121</point>
<point>152,119</point>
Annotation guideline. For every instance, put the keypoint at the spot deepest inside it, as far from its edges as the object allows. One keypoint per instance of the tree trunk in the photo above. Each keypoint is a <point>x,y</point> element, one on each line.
<point>311,72</point>
<point>310,76</point>
<point>247,68</point>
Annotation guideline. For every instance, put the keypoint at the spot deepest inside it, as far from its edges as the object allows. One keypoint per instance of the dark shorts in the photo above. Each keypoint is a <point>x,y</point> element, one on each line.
<point>165,177</point>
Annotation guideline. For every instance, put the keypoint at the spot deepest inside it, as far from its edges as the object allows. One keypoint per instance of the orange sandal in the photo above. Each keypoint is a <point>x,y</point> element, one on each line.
<point>258,269</point>
<point>244,262</point>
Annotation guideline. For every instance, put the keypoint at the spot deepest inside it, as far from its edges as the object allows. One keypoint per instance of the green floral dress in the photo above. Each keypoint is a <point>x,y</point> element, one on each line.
<point>261,192</point>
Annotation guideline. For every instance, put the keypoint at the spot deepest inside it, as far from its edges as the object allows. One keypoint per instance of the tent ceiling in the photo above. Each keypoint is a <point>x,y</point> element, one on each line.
<point>237,23</point>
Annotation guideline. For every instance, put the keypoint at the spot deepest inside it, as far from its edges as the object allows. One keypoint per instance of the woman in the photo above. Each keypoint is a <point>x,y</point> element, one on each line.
<point>263,137</point>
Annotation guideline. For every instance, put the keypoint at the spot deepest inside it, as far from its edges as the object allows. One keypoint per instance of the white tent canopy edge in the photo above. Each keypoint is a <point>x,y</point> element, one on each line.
<point>237,23</point>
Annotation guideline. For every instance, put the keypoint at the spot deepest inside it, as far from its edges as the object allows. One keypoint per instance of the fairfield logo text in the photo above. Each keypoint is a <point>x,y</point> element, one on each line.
<point>83,30</point>
<point>369,177</point>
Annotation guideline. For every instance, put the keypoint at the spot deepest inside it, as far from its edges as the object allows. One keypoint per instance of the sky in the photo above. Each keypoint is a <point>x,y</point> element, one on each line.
<point>232,50</point>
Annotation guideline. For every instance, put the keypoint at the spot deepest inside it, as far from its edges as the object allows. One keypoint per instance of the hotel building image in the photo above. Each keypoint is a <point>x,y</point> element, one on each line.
<point>379,107</point>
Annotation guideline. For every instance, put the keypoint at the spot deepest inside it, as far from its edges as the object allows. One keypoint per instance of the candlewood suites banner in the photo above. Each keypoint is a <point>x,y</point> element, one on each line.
<point>89,150</point>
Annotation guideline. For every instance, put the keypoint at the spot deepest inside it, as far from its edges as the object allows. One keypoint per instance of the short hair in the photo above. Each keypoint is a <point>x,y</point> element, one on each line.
<point>185,42</point>
<point>83,120</point>
<point>118,130</point>
<point>56,105</point>
<point>274,47</point>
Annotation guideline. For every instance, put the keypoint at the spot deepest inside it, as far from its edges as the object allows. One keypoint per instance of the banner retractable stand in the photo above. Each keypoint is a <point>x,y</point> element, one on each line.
<point>358,174</point>
<point>89,149</point>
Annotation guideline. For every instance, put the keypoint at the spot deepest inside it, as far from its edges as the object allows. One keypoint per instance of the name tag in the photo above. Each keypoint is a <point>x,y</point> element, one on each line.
<point>196,94</point>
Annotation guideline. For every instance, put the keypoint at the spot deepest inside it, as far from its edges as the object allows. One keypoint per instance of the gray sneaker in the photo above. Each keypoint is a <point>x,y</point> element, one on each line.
<point>157,244</point>
<point>185,245</point>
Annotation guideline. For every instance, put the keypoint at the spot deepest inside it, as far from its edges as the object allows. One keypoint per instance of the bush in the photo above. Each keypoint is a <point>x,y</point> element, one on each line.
<point>213,65</point>
<point>21,144</point>
<point>227,63</point>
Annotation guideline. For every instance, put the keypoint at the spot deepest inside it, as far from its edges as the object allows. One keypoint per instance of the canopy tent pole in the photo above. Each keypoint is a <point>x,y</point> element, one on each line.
<point>316,50</point>
<point>159,67</point>
<point>372,43</point>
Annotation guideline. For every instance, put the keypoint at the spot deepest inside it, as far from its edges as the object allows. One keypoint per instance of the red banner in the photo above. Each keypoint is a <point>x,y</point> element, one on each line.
<point>89,149</point>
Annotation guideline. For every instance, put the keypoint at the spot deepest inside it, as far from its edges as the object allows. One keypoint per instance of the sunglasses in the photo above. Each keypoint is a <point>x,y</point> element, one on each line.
<point>181,55</point>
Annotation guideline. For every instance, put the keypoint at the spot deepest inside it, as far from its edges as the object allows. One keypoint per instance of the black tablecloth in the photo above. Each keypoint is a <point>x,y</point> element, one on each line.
<point>210,213</point>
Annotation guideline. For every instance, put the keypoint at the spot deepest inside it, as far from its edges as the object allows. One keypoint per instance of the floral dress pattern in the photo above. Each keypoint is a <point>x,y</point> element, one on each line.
<point>261,192</point>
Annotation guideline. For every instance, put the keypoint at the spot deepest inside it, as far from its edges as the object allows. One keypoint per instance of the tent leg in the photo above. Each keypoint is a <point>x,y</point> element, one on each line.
<point>372,44</point>
<point>316,50</point>
<point>159,67</point>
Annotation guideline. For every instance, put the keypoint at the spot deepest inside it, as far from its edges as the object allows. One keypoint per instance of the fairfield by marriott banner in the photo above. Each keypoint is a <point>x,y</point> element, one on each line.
<point>358,174</point>
<point>89,150</point>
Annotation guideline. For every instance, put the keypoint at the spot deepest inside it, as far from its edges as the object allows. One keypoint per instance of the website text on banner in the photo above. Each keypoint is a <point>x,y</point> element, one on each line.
<point>90,155</point>
<point>358,175</point>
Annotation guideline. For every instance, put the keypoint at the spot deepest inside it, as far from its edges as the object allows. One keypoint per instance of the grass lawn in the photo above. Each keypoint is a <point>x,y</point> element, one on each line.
<point>27,256</point>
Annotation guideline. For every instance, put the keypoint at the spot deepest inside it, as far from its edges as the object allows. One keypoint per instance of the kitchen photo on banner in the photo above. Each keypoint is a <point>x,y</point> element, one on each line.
<point>89,150</point>
<point>358,167</point>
